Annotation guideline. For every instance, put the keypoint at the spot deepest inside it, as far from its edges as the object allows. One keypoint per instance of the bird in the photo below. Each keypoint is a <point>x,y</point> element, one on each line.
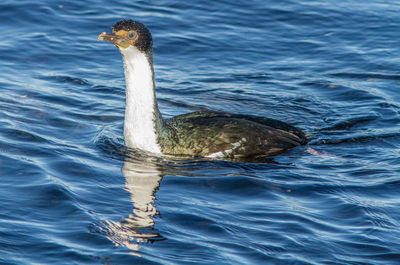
<point>210,134</point>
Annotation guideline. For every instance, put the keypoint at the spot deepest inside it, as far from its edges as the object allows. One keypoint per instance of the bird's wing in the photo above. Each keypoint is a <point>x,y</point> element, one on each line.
<point>218,134</point>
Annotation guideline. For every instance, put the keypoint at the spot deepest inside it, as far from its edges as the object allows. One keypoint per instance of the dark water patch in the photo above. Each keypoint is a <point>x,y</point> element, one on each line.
<point>367,76</point>
<point>24,136</point>
<point>83,115</point>
<point>199,167</point>
<point>348,124</point>
<point>106,93</point>
<point>63,123</point>
<point>175,104</point>
<point>52,196</point>
<point>66,79</point>
<point>357,139</point>
<point>192,90</point>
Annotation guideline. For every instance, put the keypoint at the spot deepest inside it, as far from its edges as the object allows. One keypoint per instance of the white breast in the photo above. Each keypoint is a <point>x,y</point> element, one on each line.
<point>139,124</point>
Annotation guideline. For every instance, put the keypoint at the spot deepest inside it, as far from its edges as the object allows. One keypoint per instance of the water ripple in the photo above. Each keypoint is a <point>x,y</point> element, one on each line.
<point>72,192</point>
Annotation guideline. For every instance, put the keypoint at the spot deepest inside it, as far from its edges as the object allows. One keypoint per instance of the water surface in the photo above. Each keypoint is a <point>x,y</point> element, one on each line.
<point>72,194</point>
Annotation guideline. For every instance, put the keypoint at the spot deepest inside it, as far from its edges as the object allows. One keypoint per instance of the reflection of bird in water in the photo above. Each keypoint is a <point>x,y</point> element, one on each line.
<point>207,134</point>
<point>142,179</point>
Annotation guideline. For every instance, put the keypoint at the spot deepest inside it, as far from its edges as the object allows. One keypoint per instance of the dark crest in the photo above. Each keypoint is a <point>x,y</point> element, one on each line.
<point>144,41</point>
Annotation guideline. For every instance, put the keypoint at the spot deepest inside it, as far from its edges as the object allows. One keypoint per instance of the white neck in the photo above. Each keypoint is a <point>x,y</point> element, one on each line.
<point>141,106</point>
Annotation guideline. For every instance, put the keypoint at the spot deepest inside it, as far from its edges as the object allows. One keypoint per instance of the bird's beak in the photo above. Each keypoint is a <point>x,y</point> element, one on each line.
<point>117,40</point>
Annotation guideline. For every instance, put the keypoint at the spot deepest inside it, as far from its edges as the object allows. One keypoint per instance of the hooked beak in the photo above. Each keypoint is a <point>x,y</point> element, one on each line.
<point>117,40</point>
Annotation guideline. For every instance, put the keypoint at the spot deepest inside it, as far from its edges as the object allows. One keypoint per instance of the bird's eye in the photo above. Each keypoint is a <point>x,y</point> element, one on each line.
<point>132,35</point>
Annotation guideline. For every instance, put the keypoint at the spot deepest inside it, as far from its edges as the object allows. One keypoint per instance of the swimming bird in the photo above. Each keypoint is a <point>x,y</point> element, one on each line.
<point>206,133</point>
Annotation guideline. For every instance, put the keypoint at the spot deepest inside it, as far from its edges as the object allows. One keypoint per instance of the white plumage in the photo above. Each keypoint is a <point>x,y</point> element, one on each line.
<point>139,124</point>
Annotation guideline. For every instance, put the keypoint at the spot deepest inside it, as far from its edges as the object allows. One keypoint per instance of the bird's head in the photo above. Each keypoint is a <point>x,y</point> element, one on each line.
<point>128,33</point>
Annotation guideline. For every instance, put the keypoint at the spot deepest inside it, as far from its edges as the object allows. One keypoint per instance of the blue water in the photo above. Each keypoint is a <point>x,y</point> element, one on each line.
<point>71,193</point>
